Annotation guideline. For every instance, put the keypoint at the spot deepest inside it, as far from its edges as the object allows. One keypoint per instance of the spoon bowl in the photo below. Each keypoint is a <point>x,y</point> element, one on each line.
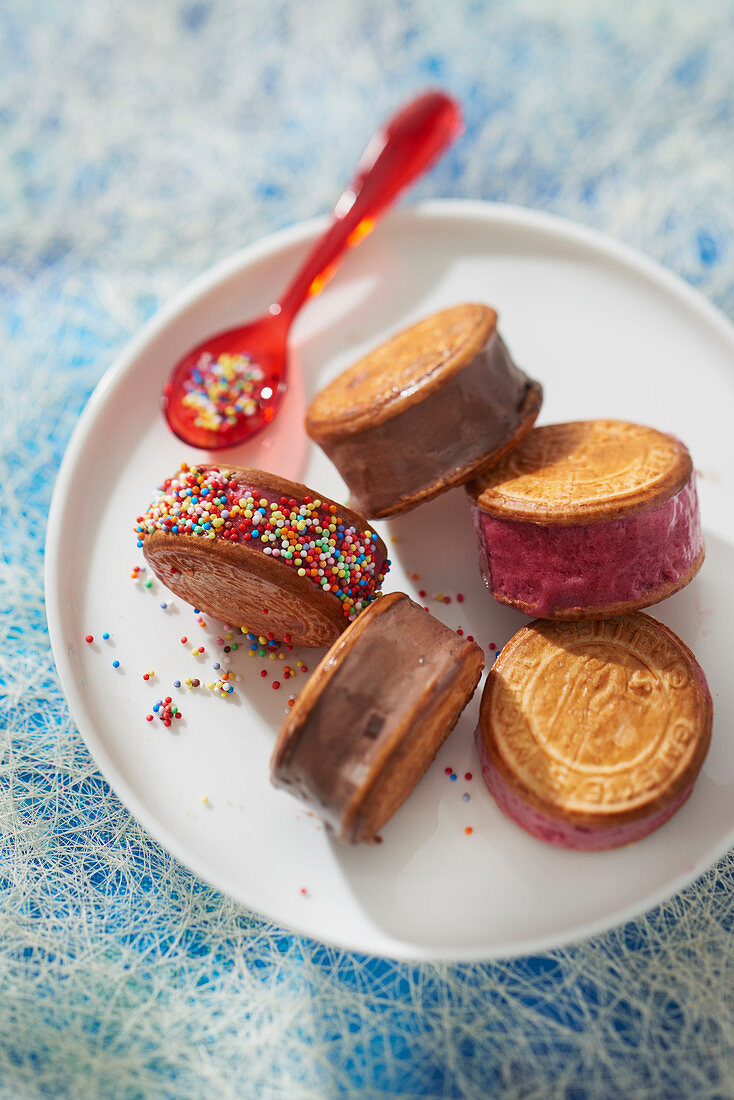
<point>231,385</point>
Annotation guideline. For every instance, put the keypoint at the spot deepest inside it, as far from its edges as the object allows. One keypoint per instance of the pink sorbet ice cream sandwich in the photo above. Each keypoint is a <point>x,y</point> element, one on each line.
<point>588,519</point>
<point>592,734</point>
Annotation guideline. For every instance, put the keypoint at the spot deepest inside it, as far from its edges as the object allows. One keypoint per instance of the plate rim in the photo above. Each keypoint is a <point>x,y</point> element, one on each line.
<point>501,214</point>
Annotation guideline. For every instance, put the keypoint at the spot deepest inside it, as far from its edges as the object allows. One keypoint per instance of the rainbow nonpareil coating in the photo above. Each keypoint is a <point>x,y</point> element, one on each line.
<point>307,535</point>
<point>221,390</point>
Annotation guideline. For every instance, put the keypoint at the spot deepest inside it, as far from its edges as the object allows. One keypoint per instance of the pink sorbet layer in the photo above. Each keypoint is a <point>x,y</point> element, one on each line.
<point>563,834</point>
<point>549,568</point>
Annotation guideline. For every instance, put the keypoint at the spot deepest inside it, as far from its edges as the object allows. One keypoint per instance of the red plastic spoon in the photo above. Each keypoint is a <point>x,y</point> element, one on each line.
<point>230,386</point>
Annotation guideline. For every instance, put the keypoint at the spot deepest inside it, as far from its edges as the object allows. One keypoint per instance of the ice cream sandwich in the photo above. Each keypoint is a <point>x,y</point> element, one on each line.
<point>373,716</point>
<point>591,734</point>
<point>425,411</point>
<point>261,552</point>
<point>588,519</point>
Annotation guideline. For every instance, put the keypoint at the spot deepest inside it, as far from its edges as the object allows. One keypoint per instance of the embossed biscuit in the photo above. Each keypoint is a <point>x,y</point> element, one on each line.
<point>588,519</point>
<point>593,733</point>
<point>577,472</point>
<point>424,411</point>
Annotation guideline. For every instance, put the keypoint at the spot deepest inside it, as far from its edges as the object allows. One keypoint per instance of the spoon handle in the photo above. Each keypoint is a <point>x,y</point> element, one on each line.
<point>400,150</point>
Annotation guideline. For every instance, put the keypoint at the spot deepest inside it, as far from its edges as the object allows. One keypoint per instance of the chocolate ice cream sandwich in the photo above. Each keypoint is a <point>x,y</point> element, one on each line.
<point>373,716</point>
<point>424,411</point>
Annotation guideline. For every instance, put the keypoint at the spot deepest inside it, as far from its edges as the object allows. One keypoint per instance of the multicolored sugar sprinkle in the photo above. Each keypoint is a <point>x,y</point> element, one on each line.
<point>310,536</point>
<point>221,390</point>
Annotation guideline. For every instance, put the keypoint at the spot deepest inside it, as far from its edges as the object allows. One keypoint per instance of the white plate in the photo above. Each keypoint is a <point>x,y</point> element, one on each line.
<point>609,334</point>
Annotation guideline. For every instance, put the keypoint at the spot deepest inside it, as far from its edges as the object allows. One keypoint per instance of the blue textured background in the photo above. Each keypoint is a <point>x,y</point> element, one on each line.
<point>139,143</point>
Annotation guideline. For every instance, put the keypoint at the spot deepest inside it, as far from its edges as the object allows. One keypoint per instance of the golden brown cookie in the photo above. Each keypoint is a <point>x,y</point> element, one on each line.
<point>576,472</point>
<point>425,411</point>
